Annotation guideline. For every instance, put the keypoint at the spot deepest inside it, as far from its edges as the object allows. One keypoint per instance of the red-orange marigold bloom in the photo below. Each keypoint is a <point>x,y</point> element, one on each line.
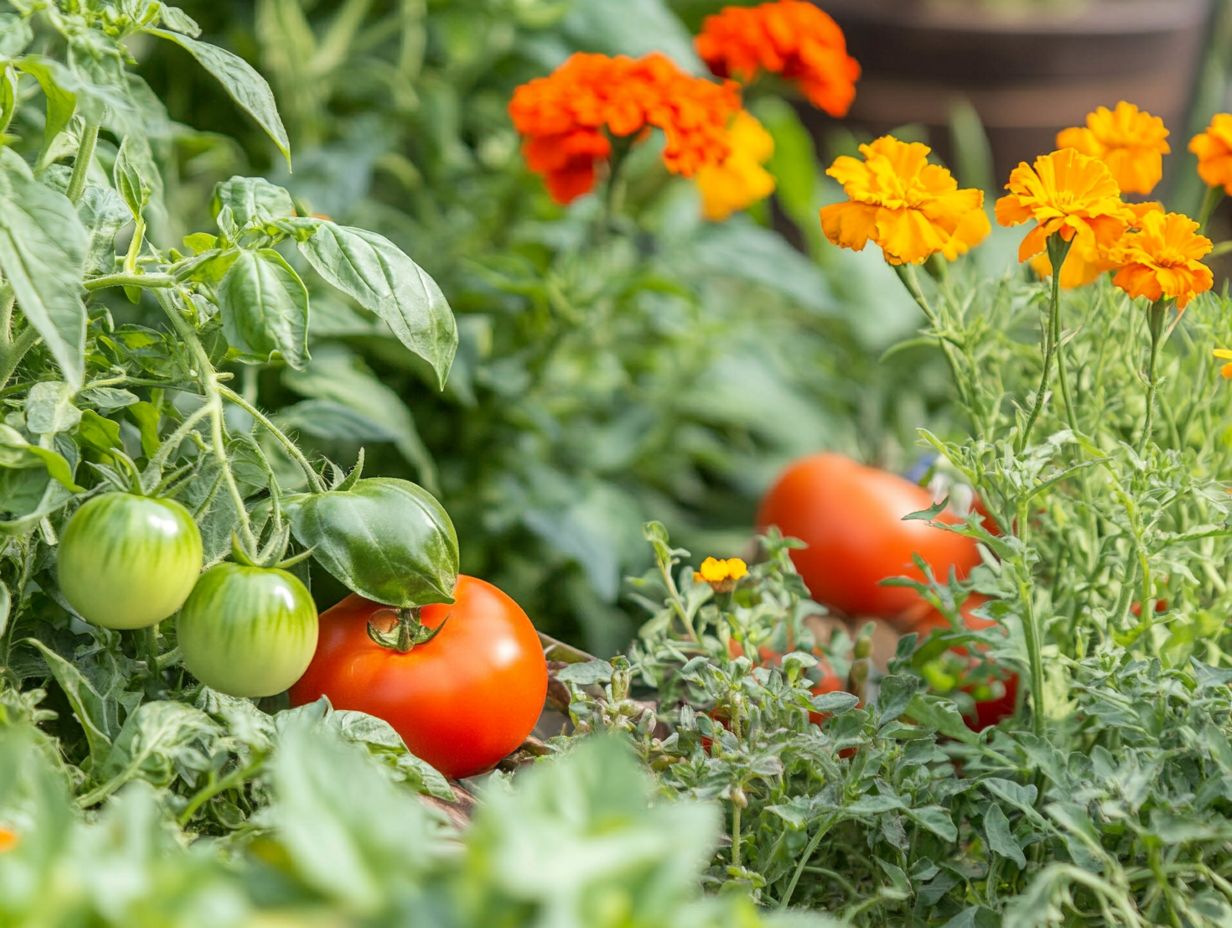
<point>1225,354</point>
<point>1130,141</point>
<point>1214,150</point>
<point>567,119</point>
<point>1163,259</point>
<point>792,38</point>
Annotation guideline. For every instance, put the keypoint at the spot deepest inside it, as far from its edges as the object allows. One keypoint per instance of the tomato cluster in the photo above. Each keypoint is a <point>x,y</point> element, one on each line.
<point>852,519</point>
<point>462,683</point>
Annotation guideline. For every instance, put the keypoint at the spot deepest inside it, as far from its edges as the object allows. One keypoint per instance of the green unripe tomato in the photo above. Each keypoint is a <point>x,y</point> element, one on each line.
<point>247,631</point>
<point>128,561</point>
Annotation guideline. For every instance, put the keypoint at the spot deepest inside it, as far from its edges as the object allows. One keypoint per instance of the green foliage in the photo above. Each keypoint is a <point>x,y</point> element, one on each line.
<point>610,368</point>
<point>575,842</point>
<point>891,810</point>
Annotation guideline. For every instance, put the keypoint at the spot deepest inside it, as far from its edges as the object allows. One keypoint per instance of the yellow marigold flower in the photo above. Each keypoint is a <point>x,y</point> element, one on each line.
<point>1086,262</point>
<point>1214,150</point>
<point>911,208</point>
<point>1065,192</point>
<point>1163,259</point>
<point>740,179</point>
<point>1130,141</point>
<point>1225,354</point>
<point>721,574</point>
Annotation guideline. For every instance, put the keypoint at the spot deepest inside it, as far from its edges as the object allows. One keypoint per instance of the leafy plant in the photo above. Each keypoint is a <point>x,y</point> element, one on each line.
<point>118,355</point>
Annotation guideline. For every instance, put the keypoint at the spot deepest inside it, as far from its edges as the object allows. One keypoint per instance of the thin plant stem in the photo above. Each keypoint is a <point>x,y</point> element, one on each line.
<point>149,281</point>
<point>907,274</point>
<point>211,388</point>
<point>81,166</point>
<point>1209,201</point>
<point>1156,318</point>
<point>1056,254</point>
<point>314,479</point>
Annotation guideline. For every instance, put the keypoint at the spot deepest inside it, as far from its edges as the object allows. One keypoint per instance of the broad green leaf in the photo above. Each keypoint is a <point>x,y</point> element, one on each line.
<point>264,308</point>
<point>380,277</point>
<point>98,433</point>
<point>385,744</point>
<point>241,81</point>
<point>61,101</point>
<point>242,202</point>
<point>90,708</point>
<point>42,255</point>
<point>387,539</point>
<point>348,845</point>
<point>28,496</point>
<point>103,214</point>
<point>1000,839</point>
<point>50,409</point>
<point>16,452</point>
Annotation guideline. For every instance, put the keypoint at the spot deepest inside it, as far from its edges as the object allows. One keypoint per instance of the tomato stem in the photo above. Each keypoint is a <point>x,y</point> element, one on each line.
<point>408,632</point>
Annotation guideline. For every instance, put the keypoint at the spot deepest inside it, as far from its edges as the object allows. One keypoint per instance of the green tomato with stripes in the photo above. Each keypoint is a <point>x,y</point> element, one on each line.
<point>247,631</point>
<point>128,561</point>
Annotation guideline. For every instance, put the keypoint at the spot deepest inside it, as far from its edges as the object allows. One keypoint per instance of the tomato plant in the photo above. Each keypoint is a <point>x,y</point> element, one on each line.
<point>463,684</point>
<point>851,518</point>
<point>247,631</point>
<point>128,561</point>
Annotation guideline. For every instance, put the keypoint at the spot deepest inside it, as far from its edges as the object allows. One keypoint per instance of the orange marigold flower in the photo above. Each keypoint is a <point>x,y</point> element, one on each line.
<point>1225,354</point>
<point>1086,262</point>
<point>911,208</point>
<point>1065,192</point>
<point>740,179</point>
<point>1163,259</point>
<point>1130,141</point>
<point>1214,150</point>
<point>792,38</point>
<point>567,119</point>
<point>9,839</point>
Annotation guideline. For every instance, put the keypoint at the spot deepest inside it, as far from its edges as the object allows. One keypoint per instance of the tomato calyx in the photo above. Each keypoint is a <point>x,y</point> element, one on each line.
<point>407,632</point>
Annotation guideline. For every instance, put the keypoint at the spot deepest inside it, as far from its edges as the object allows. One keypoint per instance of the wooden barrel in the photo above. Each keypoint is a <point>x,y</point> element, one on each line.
<point>1027,74</point>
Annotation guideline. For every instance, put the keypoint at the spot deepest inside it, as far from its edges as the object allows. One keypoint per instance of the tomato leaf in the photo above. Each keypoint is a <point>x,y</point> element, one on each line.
<point>381,278</point>
<point>42,255</point>
<point>241,81</point>
<point>265,308</point>
<point>387,539</point>
<point>1000,838</point>
<point>242,202</point>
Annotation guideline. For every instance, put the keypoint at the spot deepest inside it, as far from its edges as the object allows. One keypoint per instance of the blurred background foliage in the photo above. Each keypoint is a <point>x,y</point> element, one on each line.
<point>602,379</point>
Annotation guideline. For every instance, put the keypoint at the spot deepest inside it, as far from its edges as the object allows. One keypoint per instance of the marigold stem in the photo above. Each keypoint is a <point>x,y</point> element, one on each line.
<point>1058,249</point>
<point>1156,322</point>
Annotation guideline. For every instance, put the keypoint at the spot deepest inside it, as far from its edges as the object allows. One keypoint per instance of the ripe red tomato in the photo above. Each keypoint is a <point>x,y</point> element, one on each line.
<point>462,700</point>
<point>851,517</point>
<point>987,711</point>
